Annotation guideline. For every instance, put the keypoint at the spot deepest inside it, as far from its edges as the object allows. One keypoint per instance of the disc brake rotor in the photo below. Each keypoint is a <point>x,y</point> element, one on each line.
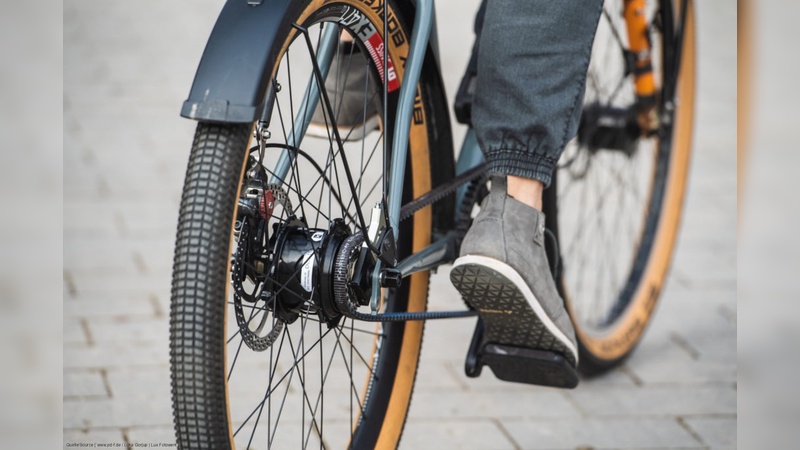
<point>265,200</point>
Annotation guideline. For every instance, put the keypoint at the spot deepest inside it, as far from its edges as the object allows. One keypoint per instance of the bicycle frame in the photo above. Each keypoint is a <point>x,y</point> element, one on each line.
<point>244,29</point>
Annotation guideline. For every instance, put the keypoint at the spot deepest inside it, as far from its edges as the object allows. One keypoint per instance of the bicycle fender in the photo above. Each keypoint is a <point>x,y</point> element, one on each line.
<point>231,81</point>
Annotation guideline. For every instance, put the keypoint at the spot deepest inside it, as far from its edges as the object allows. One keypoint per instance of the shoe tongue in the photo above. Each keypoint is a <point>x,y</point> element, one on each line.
<point>499,184</point>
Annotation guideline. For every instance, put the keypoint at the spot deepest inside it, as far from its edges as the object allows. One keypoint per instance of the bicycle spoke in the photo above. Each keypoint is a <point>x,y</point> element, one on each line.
<point>312,354</point>
<point>301,378</point>
<point>603,194</point>
<point>239,348</point>
<point>266,394</point>
<point>270,391</point>
<point>353,348</point>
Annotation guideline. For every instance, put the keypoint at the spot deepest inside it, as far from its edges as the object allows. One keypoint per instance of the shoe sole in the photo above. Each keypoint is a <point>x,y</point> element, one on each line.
<point>511,313</point>
<point>348,134</point>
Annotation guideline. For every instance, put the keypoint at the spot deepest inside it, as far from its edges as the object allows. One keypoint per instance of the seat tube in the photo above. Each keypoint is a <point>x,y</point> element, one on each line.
<point>408,90</point>
<point>419,39</point>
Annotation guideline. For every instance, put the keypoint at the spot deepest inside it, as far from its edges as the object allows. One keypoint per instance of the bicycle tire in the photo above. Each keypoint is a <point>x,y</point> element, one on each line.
<point>199,316</point>
<point>626,306</point>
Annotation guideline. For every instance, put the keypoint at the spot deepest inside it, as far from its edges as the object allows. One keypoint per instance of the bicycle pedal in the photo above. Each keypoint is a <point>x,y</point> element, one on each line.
<point>517,364</point>
<point>525,365</point>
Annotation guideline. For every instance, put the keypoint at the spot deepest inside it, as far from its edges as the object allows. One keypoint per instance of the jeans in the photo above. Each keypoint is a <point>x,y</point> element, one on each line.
<point>532,60</point>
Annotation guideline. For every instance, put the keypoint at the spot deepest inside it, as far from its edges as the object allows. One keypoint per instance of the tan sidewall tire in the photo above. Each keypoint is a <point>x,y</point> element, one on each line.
<point>420,164</point>
<point>618,342</point>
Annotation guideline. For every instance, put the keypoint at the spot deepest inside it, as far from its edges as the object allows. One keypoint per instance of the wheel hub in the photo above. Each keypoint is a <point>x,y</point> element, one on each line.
<point>295,269</point>
<point>609,128</point>
<point>301,279</point>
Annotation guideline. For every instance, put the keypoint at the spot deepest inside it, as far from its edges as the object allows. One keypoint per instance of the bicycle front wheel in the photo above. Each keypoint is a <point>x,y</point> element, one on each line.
<point>260,357</point>
<point>619,200</point>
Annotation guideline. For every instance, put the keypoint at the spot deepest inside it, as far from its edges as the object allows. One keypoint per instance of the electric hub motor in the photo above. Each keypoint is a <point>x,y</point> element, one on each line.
<point>302,274</point>
<point>295,269</point>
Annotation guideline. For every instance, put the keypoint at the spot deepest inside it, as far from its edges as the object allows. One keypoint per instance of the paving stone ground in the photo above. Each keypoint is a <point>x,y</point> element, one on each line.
<point>128,67</point>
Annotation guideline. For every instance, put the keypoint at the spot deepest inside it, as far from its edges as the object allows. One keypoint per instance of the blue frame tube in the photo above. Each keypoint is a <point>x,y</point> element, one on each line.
<point>419,39</point>
<point>439,252</point>
<point>469,157</point>
<point>423,19</point>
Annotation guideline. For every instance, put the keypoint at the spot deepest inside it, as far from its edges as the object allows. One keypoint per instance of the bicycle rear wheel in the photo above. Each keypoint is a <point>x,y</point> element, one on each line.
<point>618,210</point>
<point>258,357</point>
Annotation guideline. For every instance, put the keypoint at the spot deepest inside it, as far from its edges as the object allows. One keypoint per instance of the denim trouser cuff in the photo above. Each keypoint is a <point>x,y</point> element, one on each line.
<point>531,74</point>
<point>521,163</point>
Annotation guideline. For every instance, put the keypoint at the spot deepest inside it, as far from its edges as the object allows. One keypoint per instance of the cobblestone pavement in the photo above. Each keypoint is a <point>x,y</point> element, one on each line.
<point>127,68</point>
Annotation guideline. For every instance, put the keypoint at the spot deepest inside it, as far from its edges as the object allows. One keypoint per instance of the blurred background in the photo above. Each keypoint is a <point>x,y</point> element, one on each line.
<point>769,248</point>
<point>127,66</point>
<point>30,225</point>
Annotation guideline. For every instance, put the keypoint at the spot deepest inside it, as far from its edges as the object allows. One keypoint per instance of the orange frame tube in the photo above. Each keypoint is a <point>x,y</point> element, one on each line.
<point>639,42</point>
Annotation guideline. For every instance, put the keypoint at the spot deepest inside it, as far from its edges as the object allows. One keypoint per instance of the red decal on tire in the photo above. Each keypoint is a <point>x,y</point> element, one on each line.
<point>375,48</point>
<point>364,29</point>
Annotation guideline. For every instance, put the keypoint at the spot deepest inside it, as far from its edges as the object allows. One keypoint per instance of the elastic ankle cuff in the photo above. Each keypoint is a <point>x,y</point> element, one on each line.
<point>521,163</point>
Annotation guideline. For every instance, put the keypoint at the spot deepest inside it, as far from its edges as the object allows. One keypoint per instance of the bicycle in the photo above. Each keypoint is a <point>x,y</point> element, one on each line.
<point>280,271</point>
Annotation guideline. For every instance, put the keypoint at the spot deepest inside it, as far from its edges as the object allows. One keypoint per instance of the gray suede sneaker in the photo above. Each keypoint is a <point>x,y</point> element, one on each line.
<point>503,273</point>
<point>347,88</point>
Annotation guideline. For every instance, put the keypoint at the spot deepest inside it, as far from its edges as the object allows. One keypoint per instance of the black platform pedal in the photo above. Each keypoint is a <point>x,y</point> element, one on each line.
<point>525,365</point>
<point>517,364</point>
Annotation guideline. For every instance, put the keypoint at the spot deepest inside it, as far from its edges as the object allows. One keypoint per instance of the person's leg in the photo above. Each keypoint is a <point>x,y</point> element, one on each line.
<point>532,67</point>
<point>532,63</point>
<point>466,90</point>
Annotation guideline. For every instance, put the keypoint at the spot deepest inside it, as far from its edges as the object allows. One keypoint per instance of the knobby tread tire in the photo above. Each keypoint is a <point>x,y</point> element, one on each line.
<point>197,343</point>
<point>202,256</point>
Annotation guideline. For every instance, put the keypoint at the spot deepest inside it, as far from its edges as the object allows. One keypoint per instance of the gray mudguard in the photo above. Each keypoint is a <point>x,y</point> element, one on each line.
<point>231,81</point>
